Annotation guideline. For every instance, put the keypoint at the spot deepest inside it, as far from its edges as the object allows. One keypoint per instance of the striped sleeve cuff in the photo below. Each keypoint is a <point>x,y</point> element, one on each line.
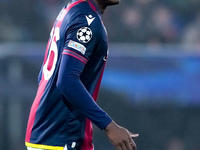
<point>75,55</point>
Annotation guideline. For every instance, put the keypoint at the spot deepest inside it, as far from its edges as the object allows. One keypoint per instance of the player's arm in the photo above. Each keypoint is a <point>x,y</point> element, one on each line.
<point>72,65</point>
<point>73,89</point>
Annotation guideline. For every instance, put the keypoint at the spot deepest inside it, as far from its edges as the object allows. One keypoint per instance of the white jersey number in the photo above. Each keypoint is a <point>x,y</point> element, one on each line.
<point>50,63</point>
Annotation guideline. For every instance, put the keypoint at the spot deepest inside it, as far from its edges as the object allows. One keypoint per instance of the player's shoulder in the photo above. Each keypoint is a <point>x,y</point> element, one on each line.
<point>81,7</point>
<point>83,13</point>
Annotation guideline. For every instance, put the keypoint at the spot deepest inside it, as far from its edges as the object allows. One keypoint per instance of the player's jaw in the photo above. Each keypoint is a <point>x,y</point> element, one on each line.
<point>104,3</point>
<point>112,2</point>
<point>109,2</point>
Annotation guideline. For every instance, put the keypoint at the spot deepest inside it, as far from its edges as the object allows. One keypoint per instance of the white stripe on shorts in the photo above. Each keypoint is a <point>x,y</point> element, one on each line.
<point>30,148</point>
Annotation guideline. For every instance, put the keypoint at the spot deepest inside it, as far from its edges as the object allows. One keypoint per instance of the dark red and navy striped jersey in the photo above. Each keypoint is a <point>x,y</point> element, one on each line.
<point>69,81</point>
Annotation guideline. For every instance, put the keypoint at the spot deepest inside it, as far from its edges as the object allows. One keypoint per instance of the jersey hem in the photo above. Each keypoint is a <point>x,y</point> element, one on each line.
<point>43,146</point>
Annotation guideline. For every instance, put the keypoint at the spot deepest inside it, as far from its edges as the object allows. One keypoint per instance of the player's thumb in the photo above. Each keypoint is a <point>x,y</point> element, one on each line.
<point>133,135</point>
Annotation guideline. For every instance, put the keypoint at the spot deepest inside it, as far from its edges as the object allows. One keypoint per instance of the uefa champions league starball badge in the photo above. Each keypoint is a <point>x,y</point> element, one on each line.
<point>84,34</point>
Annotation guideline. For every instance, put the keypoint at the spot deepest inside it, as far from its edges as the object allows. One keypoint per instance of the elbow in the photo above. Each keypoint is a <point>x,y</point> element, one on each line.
<point>64,85</point>
<point>61,85</point>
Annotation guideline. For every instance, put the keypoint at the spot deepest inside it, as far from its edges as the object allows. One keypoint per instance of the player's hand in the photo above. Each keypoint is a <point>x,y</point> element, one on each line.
<point>120,137</point>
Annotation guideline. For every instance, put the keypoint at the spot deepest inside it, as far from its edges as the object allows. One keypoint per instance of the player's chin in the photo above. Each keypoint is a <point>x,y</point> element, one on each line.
<point>114,2</point>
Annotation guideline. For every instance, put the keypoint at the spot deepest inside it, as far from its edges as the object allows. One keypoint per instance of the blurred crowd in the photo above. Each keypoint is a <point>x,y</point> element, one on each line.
<point>135,21</point>
<point>156,21</point>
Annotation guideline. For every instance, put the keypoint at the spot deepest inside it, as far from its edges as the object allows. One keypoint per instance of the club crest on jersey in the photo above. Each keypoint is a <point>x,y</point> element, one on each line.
<point>84,34</point>
<point>77,46</point>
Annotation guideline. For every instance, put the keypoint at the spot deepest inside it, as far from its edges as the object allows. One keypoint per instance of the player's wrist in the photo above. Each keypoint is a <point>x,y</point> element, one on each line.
<point>110,126</point>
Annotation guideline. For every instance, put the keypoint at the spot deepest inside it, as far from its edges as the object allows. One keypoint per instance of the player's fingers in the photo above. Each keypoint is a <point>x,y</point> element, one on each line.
<point>129,146</point>
<point>132,144</point>
<point>118,147</point>
<point>124,147</point>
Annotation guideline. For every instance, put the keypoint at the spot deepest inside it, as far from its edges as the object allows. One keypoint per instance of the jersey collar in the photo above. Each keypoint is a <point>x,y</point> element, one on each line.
<point>94,6</point>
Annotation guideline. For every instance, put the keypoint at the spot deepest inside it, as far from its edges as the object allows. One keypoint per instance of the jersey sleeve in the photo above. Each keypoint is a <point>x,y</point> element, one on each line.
<point>72,88</point>
<point>82,35</point>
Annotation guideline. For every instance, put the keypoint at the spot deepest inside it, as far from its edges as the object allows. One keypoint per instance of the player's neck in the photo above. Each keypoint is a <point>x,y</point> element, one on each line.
<point>100,5</point>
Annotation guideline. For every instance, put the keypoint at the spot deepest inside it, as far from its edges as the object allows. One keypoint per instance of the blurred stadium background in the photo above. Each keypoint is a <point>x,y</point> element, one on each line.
<point>151,83</point>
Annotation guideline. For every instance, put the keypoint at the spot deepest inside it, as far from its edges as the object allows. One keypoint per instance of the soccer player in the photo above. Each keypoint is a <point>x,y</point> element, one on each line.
<point>69,81</point>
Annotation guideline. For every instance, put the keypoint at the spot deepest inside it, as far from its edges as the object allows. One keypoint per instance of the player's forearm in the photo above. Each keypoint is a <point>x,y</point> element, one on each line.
<point>81,99</point>
<point>72,88</point>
